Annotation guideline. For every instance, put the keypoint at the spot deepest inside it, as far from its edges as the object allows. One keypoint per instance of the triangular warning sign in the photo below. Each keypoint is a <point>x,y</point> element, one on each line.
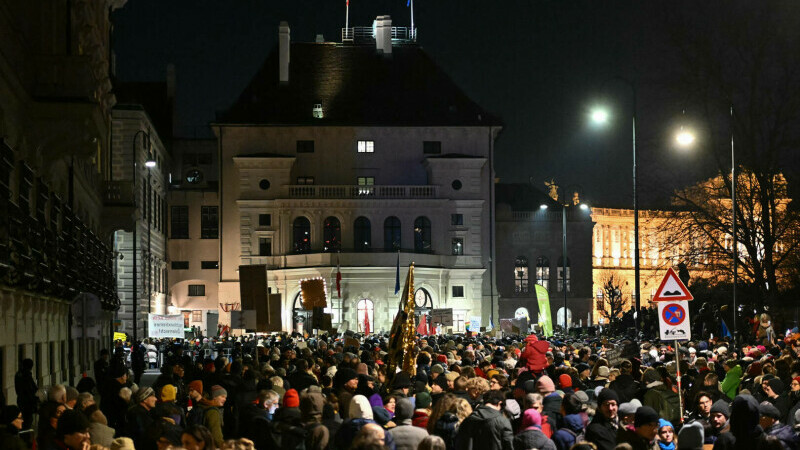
<point>672,288</point>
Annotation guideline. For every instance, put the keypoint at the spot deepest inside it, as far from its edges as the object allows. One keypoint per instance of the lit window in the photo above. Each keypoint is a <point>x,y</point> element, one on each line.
<point>422,235</point>
<point>365,315</point>
<point>521,275</point>
<point>561,275</point>
<point>543,272</point>
<point>366,146</point>
<point>301,235</point>
<point>197,315</point>
<point>365,185</point>
<point>458,246</point>
<point>332,235</point>
<point>305,180</point>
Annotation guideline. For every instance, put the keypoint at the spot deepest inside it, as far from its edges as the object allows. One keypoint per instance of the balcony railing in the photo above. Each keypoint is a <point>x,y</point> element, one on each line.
<point>365,192</point>
<point>367,34</point>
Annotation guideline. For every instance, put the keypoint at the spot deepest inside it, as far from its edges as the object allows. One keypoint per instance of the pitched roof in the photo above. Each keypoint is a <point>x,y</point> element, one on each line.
<point>154,97</point>
<point>521,196</point>
<point>356,86</point>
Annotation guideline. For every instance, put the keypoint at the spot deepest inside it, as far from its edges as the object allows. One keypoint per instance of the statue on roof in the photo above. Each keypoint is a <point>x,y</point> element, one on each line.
<point>552,189</point>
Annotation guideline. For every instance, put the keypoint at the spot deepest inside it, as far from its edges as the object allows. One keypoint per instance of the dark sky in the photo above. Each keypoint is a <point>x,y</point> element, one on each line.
<point>538,65</point>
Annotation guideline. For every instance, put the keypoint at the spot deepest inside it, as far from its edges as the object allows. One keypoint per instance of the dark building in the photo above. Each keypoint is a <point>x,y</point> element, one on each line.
<point>529,252</point>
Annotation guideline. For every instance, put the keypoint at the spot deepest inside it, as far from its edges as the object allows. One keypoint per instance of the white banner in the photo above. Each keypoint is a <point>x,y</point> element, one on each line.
<point>160,326</point>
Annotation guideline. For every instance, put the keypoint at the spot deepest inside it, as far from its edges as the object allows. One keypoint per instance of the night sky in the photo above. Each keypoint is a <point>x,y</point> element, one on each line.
<point>537,65</point>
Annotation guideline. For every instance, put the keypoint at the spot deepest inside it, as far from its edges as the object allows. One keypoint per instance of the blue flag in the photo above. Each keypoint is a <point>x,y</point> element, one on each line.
<point>725,331</point>
<point>397,276</point>
<point>408,3</point>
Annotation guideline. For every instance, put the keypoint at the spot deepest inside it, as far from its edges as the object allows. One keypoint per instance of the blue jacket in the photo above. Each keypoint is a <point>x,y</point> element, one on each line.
<point>563,438</point>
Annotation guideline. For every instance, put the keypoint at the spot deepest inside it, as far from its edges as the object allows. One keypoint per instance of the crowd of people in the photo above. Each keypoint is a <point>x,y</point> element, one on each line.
<point>465,392</point>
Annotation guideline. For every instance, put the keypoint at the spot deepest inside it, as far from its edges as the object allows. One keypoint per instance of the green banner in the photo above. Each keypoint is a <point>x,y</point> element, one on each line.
<point>545,318</point>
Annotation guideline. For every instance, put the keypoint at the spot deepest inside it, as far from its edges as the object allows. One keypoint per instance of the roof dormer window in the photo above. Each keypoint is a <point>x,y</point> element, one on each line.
<point>317,112</point>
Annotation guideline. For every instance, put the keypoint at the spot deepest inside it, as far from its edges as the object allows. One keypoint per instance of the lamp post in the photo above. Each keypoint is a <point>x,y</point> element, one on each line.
<point>150,164</point>
<point>600,117</point>
<point>685,138</point>
<point>146,145</point>
<point>583,207</point>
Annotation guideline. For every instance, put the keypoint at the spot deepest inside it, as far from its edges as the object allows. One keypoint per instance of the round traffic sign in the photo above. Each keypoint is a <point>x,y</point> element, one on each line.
<point>673,314</point>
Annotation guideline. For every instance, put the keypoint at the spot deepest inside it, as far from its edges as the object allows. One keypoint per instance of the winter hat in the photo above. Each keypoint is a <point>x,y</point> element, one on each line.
<point>512,409</point>
<point>651,375</point>
<point>401,380</point>
<point>73,422</point>
<point>441,358</point>
<point>531,418</point>
<point>582,366</point>
<point>403,410</point>
<point>565,381</point>
<point>122,443</point>
<point>602,373</point>
<point>437,368</point>
<point>777,385</point>
<point>346,374</point>
<point>291,399</point>
<point>451,376</point>
<point>545,385</point>
<point>311,403</point>
<point>665,423</point>
<point>196,385</point>
<point>721,406</point>
<point>423,400</point>
<point>572,404</point>
<point>767,409</point>
<point>143,393</point>
<point>218,391</point>
<point>168,393</point>
<point>360,408</point>
<point>691,436</point>
<point>529,386</point>
<point>627,409</point>
<point>606,395</point>
<point>644,416</point>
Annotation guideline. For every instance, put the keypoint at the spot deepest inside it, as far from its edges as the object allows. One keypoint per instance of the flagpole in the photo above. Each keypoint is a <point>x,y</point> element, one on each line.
<point>412,16</point>
<point>347,18</point>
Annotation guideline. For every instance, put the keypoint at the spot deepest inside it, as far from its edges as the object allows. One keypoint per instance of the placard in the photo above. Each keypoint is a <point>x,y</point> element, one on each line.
<point>314,293</point>
<point>243,320</point>
<point>165,326</point>
<point>443,316</point>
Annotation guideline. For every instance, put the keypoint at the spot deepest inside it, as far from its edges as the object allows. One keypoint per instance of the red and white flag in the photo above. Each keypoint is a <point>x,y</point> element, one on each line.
<point>366,321</point>
<point>422,328</point>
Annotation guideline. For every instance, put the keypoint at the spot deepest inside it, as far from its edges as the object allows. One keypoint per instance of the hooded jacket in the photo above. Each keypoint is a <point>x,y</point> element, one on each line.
<point>317,435</point>
<point>360,415</point>
<point>784,432</point>
<point>565,437</point>
<point>534,353</point>
<point>745,434</point>
<point>485,429</point>
<point>530,435</point>
<point>731,382</point>
<point>406,435</point>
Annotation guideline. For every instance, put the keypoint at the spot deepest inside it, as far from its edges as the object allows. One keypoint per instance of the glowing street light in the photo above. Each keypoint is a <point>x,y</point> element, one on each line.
<point>684,138</point>
<point>599,116</point>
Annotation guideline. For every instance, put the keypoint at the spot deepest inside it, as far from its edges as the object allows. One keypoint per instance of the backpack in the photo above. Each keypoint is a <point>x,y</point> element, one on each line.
<point>196,416</point>
<point>579,437</point>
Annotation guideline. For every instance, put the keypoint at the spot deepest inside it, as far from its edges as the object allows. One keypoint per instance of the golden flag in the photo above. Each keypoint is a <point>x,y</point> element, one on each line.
<point>401,337</point>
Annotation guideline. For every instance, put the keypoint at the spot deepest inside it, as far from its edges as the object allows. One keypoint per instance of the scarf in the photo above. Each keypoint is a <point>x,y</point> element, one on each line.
<point>663,446</point>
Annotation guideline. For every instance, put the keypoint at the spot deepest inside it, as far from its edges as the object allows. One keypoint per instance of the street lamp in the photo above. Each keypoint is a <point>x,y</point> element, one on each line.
<point>600,117</point>
<point>583,207</point>
<point>150,163</point>
<point>686,139</point>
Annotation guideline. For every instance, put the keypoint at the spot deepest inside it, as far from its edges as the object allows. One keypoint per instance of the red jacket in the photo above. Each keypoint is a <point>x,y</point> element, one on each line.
<point>420,419</point>
<point>534,353</point>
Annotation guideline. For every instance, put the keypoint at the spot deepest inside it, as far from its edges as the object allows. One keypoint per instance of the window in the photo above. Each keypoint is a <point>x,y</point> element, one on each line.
<point>208,265</point>
<point>432,147</point>
<point>331,235</point>
<point>391,234</point>
<point>458,246</point>
<point>305,180</point>
<point>458,291</point>
<point>209,222</point>
<point>180,265</point>
<point>265,220</point>
<point>459,320</point>
<point>422,235</point>
<point>186,316</point>
<point>301,235</point>
<point>265,246</point>
<point>194,176</point>
<point>305,146</point>
<point>362,234</point>
<point>366,146</point>
<point>365,315</point>
<point>197,290</point>
<point>456,220</point>
<point>197,315</point>
<point>521,275</point>
<point>456,184</point>
<point>264,184</point>
<point>179,226</point>
<point>561,277</point>
<point>543,272</point>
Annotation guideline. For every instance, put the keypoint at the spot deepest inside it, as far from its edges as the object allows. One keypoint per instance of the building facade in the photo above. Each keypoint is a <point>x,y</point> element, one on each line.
<point>346,160</point>
<point>57,289</point>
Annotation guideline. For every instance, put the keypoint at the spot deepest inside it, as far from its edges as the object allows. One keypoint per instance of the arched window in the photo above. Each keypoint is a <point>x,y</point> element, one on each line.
<point>543,272</point>
<point>364,315</point>
<point>300,315</point>
<point>521,275</point>
<point>301,235</point>
<point>332,235</point>
<point>362,234</point>
<point>561,277</point>
<point>560,317</point>
<point>391,234</point>
<point>422,235</point>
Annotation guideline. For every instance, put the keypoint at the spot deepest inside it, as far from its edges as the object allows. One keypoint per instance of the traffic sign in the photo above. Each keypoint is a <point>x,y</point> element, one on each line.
<point>672,289</point>
<point>673,320</point>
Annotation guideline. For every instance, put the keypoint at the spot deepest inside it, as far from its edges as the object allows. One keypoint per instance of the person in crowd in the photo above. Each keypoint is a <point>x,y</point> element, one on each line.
<point>774,393</point>
<point>209,412</point>
<point>486,428</point>
<point>718,417</point>
<point>197,437</point>
<point>406,435</point>
<point>627,413</point>
<point>602,431</point>
<point>691,437</point>
<point>733,376</point>
<point>112,403</point>
<point>702,407</point>
<point>72,432</point>
<point>770,422</point>
<point>646,426</point>
<point>139,418</point>
<point>422,402</point>
<point>317,435</point>
<point>666,435</point>
<point>12,421</point>
<point>530,433</point>
<point>625,385</point>
<point>99,431</point>
<point>660,396</point>
<point>573,427</point>
<point>101,369</point>
<point>745,431</point>
<point>49,415</point>
<point>25,387</point>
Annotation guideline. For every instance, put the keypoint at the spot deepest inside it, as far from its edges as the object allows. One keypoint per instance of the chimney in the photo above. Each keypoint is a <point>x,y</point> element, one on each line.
<point>283,52</point>
<point>383,35</point>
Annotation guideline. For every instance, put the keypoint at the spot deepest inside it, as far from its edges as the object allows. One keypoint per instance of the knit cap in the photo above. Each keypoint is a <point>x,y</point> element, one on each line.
<point>196,385</point>
<point>721,406</point>
<point>143,393</point>
<point>607,395</point>
<point>767,409</point>
<point>291,399</point>
<point>644,416</point>
<point>627,409</point>
<point>451,376</point>
<point>218,391</point>
<point>564,380</point>
<point>691,436</point>
<point>545,385</point>
<point>777,385</point>
<point>437,368</point>
<point>665,423</point>
<point>168,393</point>
<point>423,400</point>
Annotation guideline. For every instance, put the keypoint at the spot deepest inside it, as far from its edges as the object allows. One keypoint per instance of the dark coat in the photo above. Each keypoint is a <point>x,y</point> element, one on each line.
<point>485,429</point>
<point>602,432</point>
<point>446,428</point>
<point>784,432</point>
<point>533,438</point>
<point>138,420</point>
<point>112,405</point>
<point>625,387</point>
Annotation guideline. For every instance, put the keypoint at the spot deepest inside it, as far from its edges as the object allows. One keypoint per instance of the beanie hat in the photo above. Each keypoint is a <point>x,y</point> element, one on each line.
<point>423,400</point>
<point>217,391</point>
<point>512,409</point>
<point>437,368</point>
<point>196,385</point>
<point>644,416</point>
<point>777,385</point>
<point>564,380</point>
<point>627,409</point>
<point>168,393</point>
<point>529,386</point>
<point>143,393</point>
<point>381,415</point>
<point>721,406</point>
<point>311,403</point>
<point>122,443</point>
<point>441,358</point>
<point>767,409</point>
<point>665,423</point>
<point>291,399</point>
<point>346,374</point>
<point>10,414</point>
<point>691,436</point>
<point>572,404</point>
<point>582,366</point>
<point>602,373</point>
<point>117,370</point>
<point>651,375</point>
<point>401,380</point>
<point>606,395</point>
<point>545,385</point>
<point>403,410</point>
<point>73,422</point>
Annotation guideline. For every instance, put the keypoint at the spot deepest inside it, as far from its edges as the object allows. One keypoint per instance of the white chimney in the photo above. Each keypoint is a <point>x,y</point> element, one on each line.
<point>379,34</point>
<point>383,35</point>
<point>283,52</point>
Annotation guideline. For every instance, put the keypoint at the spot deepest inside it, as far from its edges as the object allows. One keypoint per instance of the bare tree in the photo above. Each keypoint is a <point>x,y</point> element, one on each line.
<point>613,303</point>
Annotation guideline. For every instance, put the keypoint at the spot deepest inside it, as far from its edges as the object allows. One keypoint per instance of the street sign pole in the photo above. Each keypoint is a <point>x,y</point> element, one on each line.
<point>680,394</point>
